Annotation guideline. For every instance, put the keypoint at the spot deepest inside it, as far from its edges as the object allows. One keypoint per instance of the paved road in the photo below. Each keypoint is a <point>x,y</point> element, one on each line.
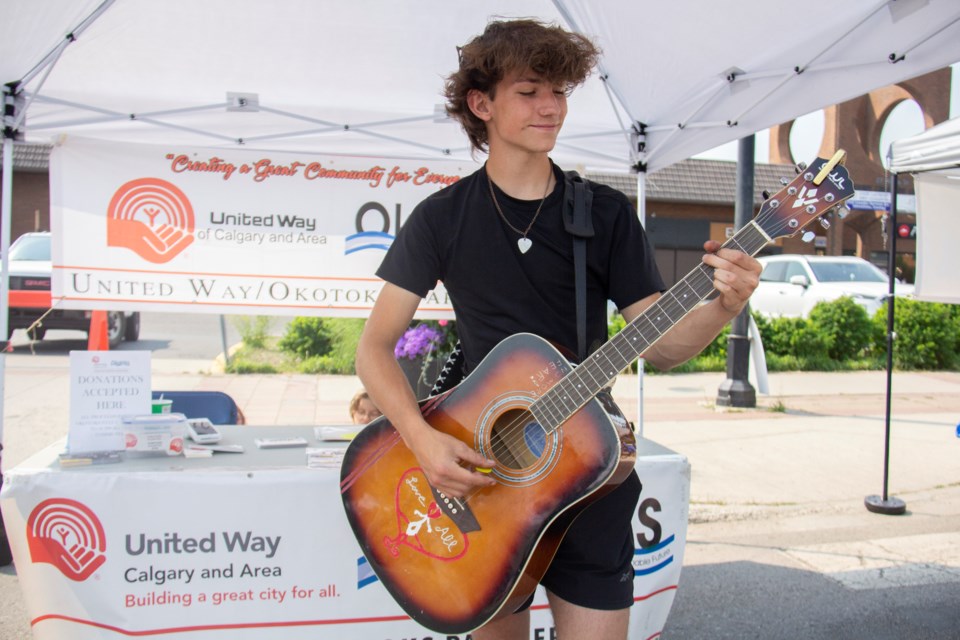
<point>820,575</point>
<point>166,335</point>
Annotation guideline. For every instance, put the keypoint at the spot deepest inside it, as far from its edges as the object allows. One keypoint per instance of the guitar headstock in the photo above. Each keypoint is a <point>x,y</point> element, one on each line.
<point>818,189</point>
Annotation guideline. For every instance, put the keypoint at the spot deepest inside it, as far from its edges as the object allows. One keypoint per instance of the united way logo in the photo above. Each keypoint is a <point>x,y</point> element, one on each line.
<point>151,217</point>
<point>366,240</point>
<point>67,535</point>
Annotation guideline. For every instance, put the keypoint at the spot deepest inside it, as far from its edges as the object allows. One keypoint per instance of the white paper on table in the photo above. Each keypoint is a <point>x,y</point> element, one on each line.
<point>104,387</point>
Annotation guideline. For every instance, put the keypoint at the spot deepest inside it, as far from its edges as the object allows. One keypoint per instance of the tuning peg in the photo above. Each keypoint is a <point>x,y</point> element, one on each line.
<point>765,194</point>
<point>784,181</point>
<point>808,236</point>
<point>842,211</point>
<point>801,167</point>
<point>824,223</point>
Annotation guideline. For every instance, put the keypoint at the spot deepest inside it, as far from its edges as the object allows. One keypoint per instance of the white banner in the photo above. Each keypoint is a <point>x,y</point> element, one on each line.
<point>251,547</point>
<point>175,228</point>
<point>938,226</point>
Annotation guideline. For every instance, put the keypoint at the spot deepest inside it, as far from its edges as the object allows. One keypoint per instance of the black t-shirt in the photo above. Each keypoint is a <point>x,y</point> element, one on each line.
<point>456,236</point>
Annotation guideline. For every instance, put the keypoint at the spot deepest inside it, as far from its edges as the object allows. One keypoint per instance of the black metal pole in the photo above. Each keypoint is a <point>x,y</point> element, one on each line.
<point>223,341</point>
<point>885,504</point>
<point>736,390</point>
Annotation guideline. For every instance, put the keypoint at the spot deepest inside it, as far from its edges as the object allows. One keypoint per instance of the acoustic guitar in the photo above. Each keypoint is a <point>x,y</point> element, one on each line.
<point>455,564</point>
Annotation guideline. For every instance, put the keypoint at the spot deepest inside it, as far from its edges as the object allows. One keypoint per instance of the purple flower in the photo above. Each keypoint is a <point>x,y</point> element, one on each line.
<point>418,341</point>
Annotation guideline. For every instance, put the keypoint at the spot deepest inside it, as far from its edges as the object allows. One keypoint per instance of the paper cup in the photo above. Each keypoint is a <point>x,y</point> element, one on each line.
<point>162,406</point>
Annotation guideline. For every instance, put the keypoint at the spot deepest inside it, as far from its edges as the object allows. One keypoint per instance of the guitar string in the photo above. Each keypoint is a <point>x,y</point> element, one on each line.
<point>516,425</point>
<point>514,431</point>
<point>668,307</point>
<point>670,304</point>
<point>665,308</point>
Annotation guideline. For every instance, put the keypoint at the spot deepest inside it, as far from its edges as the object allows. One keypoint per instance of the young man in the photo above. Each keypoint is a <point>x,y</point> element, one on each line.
<point>497,241</point>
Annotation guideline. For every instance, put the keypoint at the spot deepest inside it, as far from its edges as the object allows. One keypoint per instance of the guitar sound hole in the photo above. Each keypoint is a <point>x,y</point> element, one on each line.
<point>517,440</point>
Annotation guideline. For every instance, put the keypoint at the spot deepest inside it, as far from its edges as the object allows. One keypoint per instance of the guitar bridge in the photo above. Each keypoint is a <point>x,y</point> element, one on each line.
<point>458,511</point>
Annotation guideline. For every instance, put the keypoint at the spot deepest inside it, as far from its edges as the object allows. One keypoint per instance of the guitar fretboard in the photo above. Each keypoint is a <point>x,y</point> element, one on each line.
<point>595,373</point>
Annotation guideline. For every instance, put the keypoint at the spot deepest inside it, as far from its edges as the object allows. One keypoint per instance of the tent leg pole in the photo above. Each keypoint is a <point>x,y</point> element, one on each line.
<point>6,207</point>
<point>642,214</point>
<point>885,504</point>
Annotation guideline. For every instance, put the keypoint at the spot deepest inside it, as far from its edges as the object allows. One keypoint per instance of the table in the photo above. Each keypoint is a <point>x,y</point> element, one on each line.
<point>251,545</point>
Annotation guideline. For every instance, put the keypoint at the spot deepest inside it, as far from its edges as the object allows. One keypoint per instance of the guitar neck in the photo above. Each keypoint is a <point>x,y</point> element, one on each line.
<point>598,371</point>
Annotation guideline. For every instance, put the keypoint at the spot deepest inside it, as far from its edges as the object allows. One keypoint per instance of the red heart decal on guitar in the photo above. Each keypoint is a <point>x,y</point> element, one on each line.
<point>421,523</point>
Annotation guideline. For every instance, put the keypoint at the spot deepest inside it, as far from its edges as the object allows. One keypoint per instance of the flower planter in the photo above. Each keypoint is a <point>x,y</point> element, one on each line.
<point>420,377</point>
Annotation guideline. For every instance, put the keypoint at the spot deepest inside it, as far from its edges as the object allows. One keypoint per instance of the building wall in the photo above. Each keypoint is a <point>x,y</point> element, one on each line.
<point>856,126</point>
<point>31,203</point>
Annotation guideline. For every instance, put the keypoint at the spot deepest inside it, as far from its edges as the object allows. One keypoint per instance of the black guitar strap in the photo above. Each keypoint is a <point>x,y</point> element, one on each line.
<point>452,372</point>
<point>578,201</point>
<point>577,204</point>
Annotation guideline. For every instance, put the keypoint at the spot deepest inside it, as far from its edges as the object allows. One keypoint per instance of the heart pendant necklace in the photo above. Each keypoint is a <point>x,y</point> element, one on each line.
<point>523,242</point>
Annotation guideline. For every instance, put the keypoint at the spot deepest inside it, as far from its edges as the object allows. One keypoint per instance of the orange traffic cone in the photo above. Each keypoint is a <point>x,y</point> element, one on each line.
<point>99,339</point>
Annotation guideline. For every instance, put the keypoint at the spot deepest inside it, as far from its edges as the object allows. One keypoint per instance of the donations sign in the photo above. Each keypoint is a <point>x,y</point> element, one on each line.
<point>104,387</point>
<point>144,227</point>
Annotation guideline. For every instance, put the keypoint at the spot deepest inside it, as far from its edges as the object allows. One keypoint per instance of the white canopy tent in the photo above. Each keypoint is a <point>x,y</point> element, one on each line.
<point>934,157</point>
<point>364,77</point>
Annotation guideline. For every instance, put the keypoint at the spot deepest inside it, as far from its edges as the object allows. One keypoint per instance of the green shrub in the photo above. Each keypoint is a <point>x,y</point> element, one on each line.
<point>717,350</point>
<point>239,365</point>
<point>927,334</point>
<point>326,364</point>
<point>324,345</point>
<point>701,363</point>
<point>712,358</point>
<point>307,337</point>
<point>252,330</point>
<point>615,324</point>
<point>817,362</point>
<point>342,357</point>
<point>846,326</point>
<point>796,337</point>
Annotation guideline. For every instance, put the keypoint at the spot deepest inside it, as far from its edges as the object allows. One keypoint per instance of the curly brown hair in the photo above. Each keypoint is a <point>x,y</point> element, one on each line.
<point>558,56</point>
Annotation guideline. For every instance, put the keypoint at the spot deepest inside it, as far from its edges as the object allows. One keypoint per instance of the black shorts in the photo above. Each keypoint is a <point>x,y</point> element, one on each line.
<point>593,566</point>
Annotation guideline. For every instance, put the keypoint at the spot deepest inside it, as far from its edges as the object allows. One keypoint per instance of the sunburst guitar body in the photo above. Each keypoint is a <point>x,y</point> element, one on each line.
<point>455,564</point>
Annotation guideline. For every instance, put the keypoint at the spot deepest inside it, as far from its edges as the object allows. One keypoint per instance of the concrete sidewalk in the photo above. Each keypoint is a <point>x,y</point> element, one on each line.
<point>776,497</point>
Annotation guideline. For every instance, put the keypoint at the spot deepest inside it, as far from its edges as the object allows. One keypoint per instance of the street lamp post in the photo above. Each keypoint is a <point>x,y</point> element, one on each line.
<point>736,390</point>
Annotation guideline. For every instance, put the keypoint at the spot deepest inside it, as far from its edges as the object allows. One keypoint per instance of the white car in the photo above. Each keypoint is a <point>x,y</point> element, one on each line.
<point>791,285</point>
<point>30,270</point>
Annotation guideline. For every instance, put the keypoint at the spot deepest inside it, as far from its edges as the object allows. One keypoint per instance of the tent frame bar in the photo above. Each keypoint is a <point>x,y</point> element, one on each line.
<point>897,57</point>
